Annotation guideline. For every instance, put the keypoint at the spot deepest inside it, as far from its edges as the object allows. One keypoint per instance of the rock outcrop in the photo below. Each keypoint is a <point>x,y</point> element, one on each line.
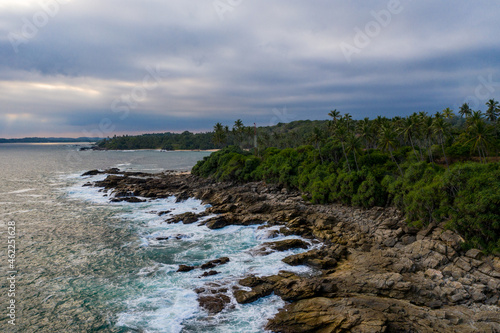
<point>374,273</point>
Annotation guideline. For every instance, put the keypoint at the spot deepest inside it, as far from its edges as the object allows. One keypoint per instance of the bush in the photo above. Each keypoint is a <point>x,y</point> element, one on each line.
<point>474,198</point>
<point>370,193</point>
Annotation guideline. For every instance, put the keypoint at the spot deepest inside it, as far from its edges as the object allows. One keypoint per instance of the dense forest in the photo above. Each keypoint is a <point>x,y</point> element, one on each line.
<point>165,141</point>
<point>434,168</point>
<point>281,135</point>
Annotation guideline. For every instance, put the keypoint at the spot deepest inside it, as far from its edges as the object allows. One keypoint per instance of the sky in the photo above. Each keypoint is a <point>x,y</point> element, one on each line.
<point>74,68</point>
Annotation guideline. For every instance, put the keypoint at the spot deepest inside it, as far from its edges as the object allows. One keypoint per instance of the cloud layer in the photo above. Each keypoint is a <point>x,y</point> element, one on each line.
<point>74,66</point>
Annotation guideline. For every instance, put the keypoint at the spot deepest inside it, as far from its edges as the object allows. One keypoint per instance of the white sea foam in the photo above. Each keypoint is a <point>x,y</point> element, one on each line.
<point>19,191</point>
<point>164,311</point>
<point>167,301</point>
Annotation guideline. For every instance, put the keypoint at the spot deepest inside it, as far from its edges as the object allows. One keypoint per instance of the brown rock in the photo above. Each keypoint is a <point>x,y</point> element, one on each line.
<point>262,290</point>
<point>214,304</point>
<point>286,244</point>
<point>475,254</point>
<point>214,263</point>
<point>209,273</point>
<point>185,268</point>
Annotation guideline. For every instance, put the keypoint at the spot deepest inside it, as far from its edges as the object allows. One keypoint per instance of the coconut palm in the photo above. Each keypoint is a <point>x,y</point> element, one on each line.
<point>448,113</point>
<point>365,131</point>
<point>220,134</point>
<point>388,141</point>
<point>441,128</point>
<point>238,130</point>
<point>353,145</point>
<point>409,127</point>
<point>317,139</point>
<point>334,114</point>
<point>474,117</point>
<point>465,110</point>
<point>492,111</point>
<point>481,135</point>
<point>341,134</point>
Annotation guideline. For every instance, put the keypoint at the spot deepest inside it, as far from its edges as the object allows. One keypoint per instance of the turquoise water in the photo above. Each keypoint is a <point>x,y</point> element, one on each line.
<point>87,265</point>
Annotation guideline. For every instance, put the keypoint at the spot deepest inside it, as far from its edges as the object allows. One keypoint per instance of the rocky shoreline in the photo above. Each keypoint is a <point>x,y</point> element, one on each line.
<point>374,272</point>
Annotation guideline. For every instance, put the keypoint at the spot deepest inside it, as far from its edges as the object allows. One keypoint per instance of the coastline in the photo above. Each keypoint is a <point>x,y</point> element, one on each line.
<point>375,273</point>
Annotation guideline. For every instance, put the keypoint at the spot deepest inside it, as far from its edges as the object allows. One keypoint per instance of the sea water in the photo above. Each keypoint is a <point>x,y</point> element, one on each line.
<point>85,264</point>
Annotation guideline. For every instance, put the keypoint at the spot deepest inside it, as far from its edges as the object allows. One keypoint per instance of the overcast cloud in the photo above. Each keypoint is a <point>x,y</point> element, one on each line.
<point>75,67</point>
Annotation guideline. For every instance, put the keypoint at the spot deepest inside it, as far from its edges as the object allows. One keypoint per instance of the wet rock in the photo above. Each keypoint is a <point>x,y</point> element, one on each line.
<point>92,173</point>
<point>220,221</point>
<point>214,303</point>
<point>209,273</point>
<point>286,244</point>
<point>185,268</point>
<point>214,263</point>
<point>243,296</point>
<point>113,171</point>
<point>186,218</point>
<point>127,199</point>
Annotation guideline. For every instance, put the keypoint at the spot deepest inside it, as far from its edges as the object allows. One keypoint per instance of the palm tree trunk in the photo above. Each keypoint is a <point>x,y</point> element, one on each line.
<point>412,146</point>
<point>355,161</point>
<point>394,160</point>
<point>444,154</point>
<point>420,150</point>
<point>345,155</point>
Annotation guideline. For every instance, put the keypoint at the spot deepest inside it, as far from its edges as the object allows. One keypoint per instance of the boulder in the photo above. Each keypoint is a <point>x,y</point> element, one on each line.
<point>286,244</point>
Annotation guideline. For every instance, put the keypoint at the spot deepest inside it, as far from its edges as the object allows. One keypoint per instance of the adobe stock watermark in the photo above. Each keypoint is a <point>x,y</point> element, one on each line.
<point>482,92</point>
<point>31,26</point>
<point>281,116</point>
<point>11,272</point>
<point>224,6</point>
<point>372,29</point>
<point>122,106</point>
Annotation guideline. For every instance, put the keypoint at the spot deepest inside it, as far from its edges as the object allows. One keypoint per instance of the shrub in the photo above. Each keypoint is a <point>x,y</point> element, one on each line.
<point>370,193</point>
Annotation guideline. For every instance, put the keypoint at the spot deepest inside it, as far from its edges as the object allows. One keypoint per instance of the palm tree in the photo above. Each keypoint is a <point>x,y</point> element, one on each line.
<point>220,134</point>
<point>465,110</point>
<point>238,130</point>
<point>448,113</point>
<point>480,135</point>
<point>425,132</point>
<point>335,115</point>
<point>408,130</point>
<point>365,131</point>
<point>388,142</point>
<point>474,117</point>
<point>317,138</point>
<point>353,145</point>
<point>492,111</point>
<point>440,127</point>
<point>341,134</point>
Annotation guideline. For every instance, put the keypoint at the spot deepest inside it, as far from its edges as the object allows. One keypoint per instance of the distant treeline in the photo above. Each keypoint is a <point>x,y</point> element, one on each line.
<point>280,135</point>
<point>165,141</point>
<point>48,140</point>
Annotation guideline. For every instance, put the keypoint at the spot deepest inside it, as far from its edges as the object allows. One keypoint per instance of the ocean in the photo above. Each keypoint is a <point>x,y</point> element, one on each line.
<point>83,264</point>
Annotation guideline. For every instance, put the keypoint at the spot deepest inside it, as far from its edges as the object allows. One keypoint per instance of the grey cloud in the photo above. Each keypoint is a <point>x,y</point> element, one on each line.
<point>263,55</point>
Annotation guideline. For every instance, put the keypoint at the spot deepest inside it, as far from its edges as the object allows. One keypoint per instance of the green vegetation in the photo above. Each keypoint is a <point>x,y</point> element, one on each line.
<point>166,141</point>
<point>435,169</point>
<point>280,135</point>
